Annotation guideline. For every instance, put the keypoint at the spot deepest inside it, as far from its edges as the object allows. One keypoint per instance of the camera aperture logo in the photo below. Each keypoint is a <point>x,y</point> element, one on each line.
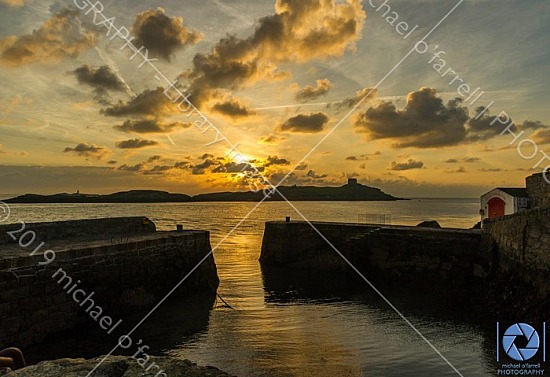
<point>525,349</point>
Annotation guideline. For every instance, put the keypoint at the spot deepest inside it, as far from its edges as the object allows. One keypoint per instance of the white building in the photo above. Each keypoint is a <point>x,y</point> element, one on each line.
<point>503,201</point>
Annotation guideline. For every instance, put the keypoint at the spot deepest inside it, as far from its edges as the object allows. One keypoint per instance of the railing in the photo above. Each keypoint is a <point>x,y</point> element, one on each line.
<point>374,218</point>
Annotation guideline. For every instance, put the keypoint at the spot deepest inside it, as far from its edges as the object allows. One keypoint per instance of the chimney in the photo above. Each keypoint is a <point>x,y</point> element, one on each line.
<point>352,181</point>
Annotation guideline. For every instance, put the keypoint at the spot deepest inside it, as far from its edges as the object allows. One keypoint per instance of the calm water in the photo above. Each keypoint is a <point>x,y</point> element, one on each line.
<point>285,329</point>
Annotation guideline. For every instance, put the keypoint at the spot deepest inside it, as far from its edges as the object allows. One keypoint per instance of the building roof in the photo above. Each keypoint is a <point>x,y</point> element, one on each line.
<point>516,192</point>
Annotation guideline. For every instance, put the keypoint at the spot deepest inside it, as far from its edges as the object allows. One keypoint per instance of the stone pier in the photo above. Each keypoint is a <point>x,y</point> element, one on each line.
<point>125,262</point>
<point>380,252</point>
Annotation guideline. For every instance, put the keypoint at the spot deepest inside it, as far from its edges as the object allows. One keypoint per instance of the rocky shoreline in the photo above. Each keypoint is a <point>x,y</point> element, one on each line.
<point>118,366</point>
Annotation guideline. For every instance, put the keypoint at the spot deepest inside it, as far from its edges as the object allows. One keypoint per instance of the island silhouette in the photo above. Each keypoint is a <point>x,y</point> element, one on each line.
<point>352,191</point>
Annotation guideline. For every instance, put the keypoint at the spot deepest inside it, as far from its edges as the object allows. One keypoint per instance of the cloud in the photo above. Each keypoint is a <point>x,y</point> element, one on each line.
<point>234,167</point>
<point>541,136</point>
<point>270,139</point>
<point>305,123</point>
<point>131,168</point>
<point>313,175</point>
<point>233,108</point>
<point>58,37</point>
<point>407,165</point>
<point>533,125</point>
<point>163,36</point>
<point>13,3</point>
<point>471,159</point>
<point>363,157</point>
<point>152,126</point>
<point>87,150</point>
<point>200,169</point>
<point>136,143</point>
<point>302,166</point>
<point>158,170</point>
<point>485,127</point>
<point>310,93</point>
<point>274,160</point>
<point>459,170</point>
<point>425,122</point>
<point>365,94</point>
<point>452,161</point>
<point>100,78</point>
<point>490,170</point>
<point>299,31</point>
<point>149,103</point>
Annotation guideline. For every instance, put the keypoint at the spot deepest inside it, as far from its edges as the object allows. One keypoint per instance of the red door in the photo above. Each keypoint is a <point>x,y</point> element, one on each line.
<point>496,207</point>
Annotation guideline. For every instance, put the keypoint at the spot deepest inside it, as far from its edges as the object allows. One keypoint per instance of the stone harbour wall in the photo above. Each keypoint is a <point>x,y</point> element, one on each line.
<point>522,243</point>
<point>125,275</point>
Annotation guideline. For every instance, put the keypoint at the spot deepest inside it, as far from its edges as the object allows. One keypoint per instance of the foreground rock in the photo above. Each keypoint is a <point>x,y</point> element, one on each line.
<point>118,366</point>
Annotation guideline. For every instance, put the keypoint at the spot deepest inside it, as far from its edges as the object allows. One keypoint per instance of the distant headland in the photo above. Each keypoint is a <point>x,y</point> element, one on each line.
<point>352,191</point>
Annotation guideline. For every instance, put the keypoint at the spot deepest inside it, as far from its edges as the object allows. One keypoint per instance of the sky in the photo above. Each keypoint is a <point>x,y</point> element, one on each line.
<point>421,98</point>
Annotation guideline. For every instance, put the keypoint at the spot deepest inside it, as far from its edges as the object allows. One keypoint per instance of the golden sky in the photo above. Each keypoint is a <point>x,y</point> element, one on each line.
<point>307,87</point>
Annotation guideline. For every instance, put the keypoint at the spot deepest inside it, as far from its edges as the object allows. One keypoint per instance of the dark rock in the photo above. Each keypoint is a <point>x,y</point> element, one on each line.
<point>117,366</point>
<point>429,224</point>
<point>477,226</point>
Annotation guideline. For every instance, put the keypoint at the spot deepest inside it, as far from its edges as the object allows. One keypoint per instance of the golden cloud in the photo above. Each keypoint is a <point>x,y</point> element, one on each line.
<point>59,36</point>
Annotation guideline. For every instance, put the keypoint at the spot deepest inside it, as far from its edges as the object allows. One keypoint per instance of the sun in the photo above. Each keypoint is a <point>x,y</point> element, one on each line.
<point>241,158</point>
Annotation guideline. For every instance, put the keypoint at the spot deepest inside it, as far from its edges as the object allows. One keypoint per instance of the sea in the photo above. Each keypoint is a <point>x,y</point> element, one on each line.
<point>274,325</point>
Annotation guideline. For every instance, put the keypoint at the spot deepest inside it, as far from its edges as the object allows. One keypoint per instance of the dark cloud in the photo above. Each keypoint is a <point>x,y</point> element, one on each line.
<point>87,150</point>
<point>302,166</point>
<point>200,169</point>
<point>425,122</point>
<point>150,126</point>
<point>274,160</point>
<point>459,170</point>
<point>163,36</point>
<point>305,123</point>
<point>452,161</point>
<point>58,37</point>
<point>101,79</point>
<point>299,31</point>
<point>132,168</point>
<point>182,165</point>
<point>310,93</point>
<point>136,143</point>
<point>112,162</point>
<point>234,167</point>
<point>154,158</point>
<point>270,139</point>
<point>150,103</point>
<point>158,170</point>
<point>533,124</point>
<point>233,108</point>
<point>363,157</point>
<point>313,175</point>
<point>407,165</point>
<point>471,159</point>
<point>365,94</point>
<point>486,126</point>
<point>490,170</point>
